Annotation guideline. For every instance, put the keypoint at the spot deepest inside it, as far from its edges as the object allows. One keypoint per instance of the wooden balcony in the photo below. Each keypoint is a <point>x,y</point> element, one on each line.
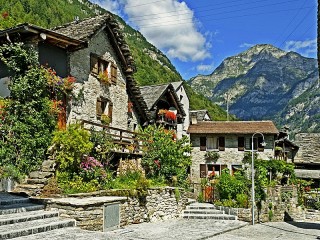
<point>127,142</point>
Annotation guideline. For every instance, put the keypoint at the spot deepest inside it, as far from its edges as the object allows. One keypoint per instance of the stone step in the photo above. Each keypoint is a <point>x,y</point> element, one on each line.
<point>27,216</point>
<point>14,200</point>
<point>209,216</point>
<point>201,206</point>
<point>19,208</point>
<point>202,211</point>
<point>33,227</point>
<point>35,181</point>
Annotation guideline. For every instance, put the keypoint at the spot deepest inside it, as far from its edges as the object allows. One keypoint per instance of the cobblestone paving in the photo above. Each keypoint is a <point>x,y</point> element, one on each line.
<point>172,229</point>
<point>274,230</point>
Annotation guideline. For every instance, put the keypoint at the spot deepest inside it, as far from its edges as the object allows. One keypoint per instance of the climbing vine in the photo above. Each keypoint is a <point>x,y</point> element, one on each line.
<point>26,127</point>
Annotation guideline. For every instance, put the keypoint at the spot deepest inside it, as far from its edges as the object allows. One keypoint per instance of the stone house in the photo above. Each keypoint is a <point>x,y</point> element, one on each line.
<point>307,160</point>
<point>199,115</point>
<point>95,53</point>
<point>231,140</point>
<point>163,101</point>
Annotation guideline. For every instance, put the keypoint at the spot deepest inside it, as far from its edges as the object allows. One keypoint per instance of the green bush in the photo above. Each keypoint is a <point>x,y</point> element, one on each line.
<point>10,171</point>
<point>71,146</point>
<point>242,200</point>
<point>165,156</point>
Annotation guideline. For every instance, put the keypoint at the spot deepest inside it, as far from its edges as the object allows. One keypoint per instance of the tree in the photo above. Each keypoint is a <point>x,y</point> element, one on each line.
<point>165,156</point>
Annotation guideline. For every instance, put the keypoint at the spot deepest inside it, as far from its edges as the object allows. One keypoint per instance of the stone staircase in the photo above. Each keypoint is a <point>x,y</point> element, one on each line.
<point>36,180</point>
<point>21,217</point>
<point>205,211</point>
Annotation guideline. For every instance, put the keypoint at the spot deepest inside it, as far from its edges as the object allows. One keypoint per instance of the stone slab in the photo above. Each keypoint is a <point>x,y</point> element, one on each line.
<point>90,201</point>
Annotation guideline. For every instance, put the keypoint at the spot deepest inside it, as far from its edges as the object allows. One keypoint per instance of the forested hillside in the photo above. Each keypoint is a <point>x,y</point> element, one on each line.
<point>153,67</point>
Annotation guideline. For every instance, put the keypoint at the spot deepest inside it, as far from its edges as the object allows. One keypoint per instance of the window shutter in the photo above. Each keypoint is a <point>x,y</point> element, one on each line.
<point>203,170</point>
<point>113,73</point>
<point>99,108</point>
<point>203,144</point>
<point>241,144</point>
<point>260,147</point>
<point>110,108</point>
<point>94,64</point>
<point>221,143</point>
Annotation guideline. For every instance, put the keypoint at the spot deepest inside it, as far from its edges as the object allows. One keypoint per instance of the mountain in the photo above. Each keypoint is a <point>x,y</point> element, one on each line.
<point>266,82</point>
<point>153,67</point>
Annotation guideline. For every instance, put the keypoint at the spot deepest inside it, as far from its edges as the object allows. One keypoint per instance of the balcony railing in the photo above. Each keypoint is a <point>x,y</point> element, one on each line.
<point>126,141</point>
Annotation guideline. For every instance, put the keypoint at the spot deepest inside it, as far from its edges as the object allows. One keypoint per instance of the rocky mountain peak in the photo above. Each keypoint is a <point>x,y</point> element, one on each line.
<point>262,81</point>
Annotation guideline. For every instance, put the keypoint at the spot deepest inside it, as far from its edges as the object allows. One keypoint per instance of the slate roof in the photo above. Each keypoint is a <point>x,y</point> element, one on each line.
<point>84,29</point>
<point>87,28</point>
<point>200,114</point>
<point>177,85</point>
<point>153,93</point>
<point>233,127</point>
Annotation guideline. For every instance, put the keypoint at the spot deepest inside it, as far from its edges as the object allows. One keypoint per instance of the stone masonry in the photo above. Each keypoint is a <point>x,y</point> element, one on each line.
<point>309,148</point>
<point>87,209</point>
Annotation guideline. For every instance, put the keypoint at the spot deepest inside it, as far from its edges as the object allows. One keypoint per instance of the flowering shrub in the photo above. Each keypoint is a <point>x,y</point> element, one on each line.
<point>162,112</point>
<point>62,84</point>
<point>91,169</point>
<point>171,116</point>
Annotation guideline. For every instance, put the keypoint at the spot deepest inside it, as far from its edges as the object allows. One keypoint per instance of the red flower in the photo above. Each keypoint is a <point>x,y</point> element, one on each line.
<point>171,115</point>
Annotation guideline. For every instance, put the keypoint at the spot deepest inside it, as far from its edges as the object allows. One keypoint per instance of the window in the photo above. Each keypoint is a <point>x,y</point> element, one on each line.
<point>260,147</point>
<point>99,65</point>
<point>203,170</point>
<point>221,143</point>
<point>255,143</point>
<point>216,168</point>
<point>210,143</point>
<point>203,143</point>
<point>241,143</point>
<point>104,106</point>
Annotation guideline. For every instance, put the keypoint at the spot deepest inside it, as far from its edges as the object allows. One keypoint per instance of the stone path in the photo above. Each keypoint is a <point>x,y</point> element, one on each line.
<point>274,231</point>
<point>179,229</point>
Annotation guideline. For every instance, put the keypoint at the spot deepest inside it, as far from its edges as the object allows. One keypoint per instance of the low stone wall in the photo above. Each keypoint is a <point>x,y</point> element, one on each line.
<point>281,204</point>
<point>87,209</point>
<point>312,215</point>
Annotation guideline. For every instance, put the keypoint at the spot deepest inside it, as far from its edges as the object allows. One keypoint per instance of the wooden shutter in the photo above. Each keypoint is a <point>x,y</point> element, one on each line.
<point>222,144</point>
<point>99,108</point>
<point>203,170</point>
<point>241,143</point>
<point>222,167</point>
<point>113,73</point>
<point>62,116</point>
<point>260,147</point>
<point>203,143</point>
<point>94,65</point>
<point>110,108</point>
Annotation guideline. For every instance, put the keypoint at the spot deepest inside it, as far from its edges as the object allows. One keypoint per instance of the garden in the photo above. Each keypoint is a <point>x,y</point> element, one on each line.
<point>84,159</point>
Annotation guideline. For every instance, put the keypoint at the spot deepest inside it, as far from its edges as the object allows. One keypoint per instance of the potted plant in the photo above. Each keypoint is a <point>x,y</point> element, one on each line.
<point>104,77</point>
<point>171,116</point>
<point>105,119</point>
<point>212,156</point>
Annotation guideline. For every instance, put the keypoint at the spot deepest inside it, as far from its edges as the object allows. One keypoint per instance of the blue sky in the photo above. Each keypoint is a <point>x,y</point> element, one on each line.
<point>197,35</point>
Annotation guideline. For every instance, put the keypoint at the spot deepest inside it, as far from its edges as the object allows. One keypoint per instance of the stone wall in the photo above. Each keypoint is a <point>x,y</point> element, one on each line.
<point>88,88</point>
<point>230,156</point>
<point>87,209</point>
<point>281,204</point>
<point>309,148</point>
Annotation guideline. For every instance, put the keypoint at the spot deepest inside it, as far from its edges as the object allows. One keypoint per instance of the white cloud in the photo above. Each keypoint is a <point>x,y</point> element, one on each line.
<point>246,45</point>
<point>307,47</point>
<point>170,25</point>
<point>205,67</point>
